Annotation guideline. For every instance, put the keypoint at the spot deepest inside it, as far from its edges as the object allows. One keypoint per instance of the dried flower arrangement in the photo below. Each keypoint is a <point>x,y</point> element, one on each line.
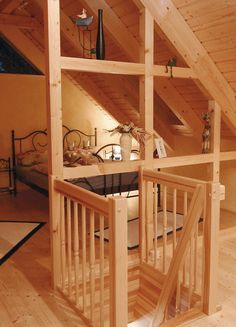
<point>136,132</point>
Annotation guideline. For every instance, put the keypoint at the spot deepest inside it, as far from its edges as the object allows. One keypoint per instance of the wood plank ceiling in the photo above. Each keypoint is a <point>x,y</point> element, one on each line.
<point>178,103</point>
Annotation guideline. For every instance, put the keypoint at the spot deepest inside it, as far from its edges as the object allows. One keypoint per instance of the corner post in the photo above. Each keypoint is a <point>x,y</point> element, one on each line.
<point>54,119</point>
<point>211,248</point>
<point>146,84</point>
<point>118,262</point>
<point>212,219</point>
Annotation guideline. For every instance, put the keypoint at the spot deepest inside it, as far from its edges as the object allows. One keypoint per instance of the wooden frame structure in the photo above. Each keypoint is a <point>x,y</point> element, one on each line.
<point>146,70</point>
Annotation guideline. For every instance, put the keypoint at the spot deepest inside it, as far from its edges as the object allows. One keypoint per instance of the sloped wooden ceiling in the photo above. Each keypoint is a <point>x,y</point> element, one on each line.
<point>179,103</point>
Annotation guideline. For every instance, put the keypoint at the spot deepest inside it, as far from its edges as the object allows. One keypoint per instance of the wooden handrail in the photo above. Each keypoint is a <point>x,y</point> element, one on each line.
<point>194,213</point>
<point>179,182</point>
<point>89,199</point>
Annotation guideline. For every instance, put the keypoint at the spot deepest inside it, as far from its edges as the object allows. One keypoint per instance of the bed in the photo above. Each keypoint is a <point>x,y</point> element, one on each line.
<point>29,155</point>
<point>30,162</point>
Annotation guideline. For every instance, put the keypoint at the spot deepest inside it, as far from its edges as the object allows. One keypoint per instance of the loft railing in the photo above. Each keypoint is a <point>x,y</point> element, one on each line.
<point>89,275</point>
<point>171,238</point>
<point>92,274</point>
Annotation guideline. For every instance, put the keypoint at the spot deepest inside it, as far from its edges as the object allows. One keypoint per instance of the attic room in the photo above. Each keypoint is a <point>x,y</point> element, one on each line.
<point>117,163</point>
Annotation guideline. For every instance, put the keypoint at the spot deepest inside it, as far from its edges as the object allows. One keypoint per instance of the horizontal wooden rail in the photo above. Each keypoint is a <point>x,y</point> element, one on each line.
<point>102,66</point>
<point>229,155</point>
<point>123,68</point>
<point>102,169</point>
<point>195,159</point>
<point>112,167</point>
<point>179,182</point>
<point>177,72</point>
<point>89,199</point>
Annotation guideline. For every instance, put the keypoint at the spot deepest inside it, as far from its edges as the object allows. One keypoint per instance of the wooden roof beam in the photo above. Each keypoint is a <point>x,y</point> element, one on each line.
<point>123,68</point>
<point>186,43</point>
<point>23,22</point>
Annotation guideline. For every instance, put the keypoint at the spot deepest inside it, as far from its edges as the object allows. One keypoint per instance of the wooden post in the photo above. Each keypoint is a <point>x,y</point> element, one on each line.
<point>211,237</point>
<point>54,116</point>
<point>118,262</point>
<point>211,240</point>
<point>214,108</point>
<point>146,83</point>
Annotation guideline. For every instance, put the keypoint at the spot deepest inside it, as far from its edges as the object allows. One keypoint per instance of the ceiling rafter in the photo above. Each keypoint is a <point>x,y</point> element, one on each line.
<point>25,45</point>
<point>18,21</point>
<point>122,36</point>
<point>186,43</point>
<point>8,6</point>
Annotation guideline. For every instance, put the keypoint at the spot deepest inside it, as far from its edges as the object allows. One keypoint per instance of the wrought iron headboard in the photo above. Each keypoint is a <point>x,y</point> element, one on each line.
<point>92,138</point>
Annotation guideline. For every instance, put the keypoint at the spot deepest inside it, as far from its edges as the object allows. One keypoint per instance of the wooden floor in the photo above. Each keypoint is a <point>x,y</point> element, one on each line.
<point>26,298</point>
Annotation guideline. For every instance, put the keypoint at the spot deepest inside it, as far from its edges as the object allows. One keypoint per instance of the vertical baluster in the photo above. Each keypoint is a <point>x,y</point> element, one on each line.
<point>69,254</point>
<point>178,291</point>
<point>164,227</point>
<point>195,259</point>
<point>92,266</point>
<point>174,218</point>
<point>76,252</point>
<point>142,214</point>
<point>184,218</point>
<point>202,281</point>
<point>191,273</point>
<point>84,270</point>
<point>166,316</point>
<point>146,221</point>
<point>63,243</point>
<point>155,224</point>
<point>101,219</point>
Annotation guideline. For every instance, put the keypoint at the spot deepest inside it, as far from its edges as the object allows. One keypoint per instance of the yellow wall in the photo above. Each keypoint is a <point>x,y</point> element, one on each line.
<point>81,112</point>
<point>22,104</point>
<point>188,146</point>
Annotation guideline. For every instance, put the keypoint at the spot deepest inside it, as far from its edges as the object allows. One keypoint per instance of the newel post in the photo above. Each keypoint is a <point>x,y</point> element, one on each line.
<point>118,262</point>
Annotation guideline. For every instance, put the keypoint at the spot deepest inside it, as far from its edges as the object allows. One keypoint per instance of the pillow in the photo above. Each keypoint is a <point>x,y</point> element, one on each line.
<point>41,168</point>
<point>32,157</point>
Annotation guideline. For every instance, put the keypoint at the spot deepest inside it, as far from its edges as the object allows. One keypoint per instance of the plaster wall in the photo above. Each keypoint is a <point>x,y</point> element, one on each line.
<point>22,105</point>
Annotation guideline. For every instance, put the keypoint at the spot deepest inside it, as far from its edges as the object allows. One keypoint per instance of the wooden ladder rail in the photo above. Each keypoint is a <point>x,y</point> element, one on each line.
<point>195,210</point>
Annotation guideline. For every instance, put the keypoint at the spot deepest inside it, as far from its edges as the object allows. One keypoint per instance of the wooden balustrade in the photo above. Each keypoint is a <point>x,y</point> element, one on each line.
<point>91,271</point>
<point>180,197</point>
<point>89,277</point>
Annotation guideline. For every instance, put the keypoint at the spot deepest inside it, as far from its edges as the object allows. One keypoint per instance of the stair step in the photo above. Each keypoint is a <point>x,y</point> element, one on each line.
<point>143,307</point>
